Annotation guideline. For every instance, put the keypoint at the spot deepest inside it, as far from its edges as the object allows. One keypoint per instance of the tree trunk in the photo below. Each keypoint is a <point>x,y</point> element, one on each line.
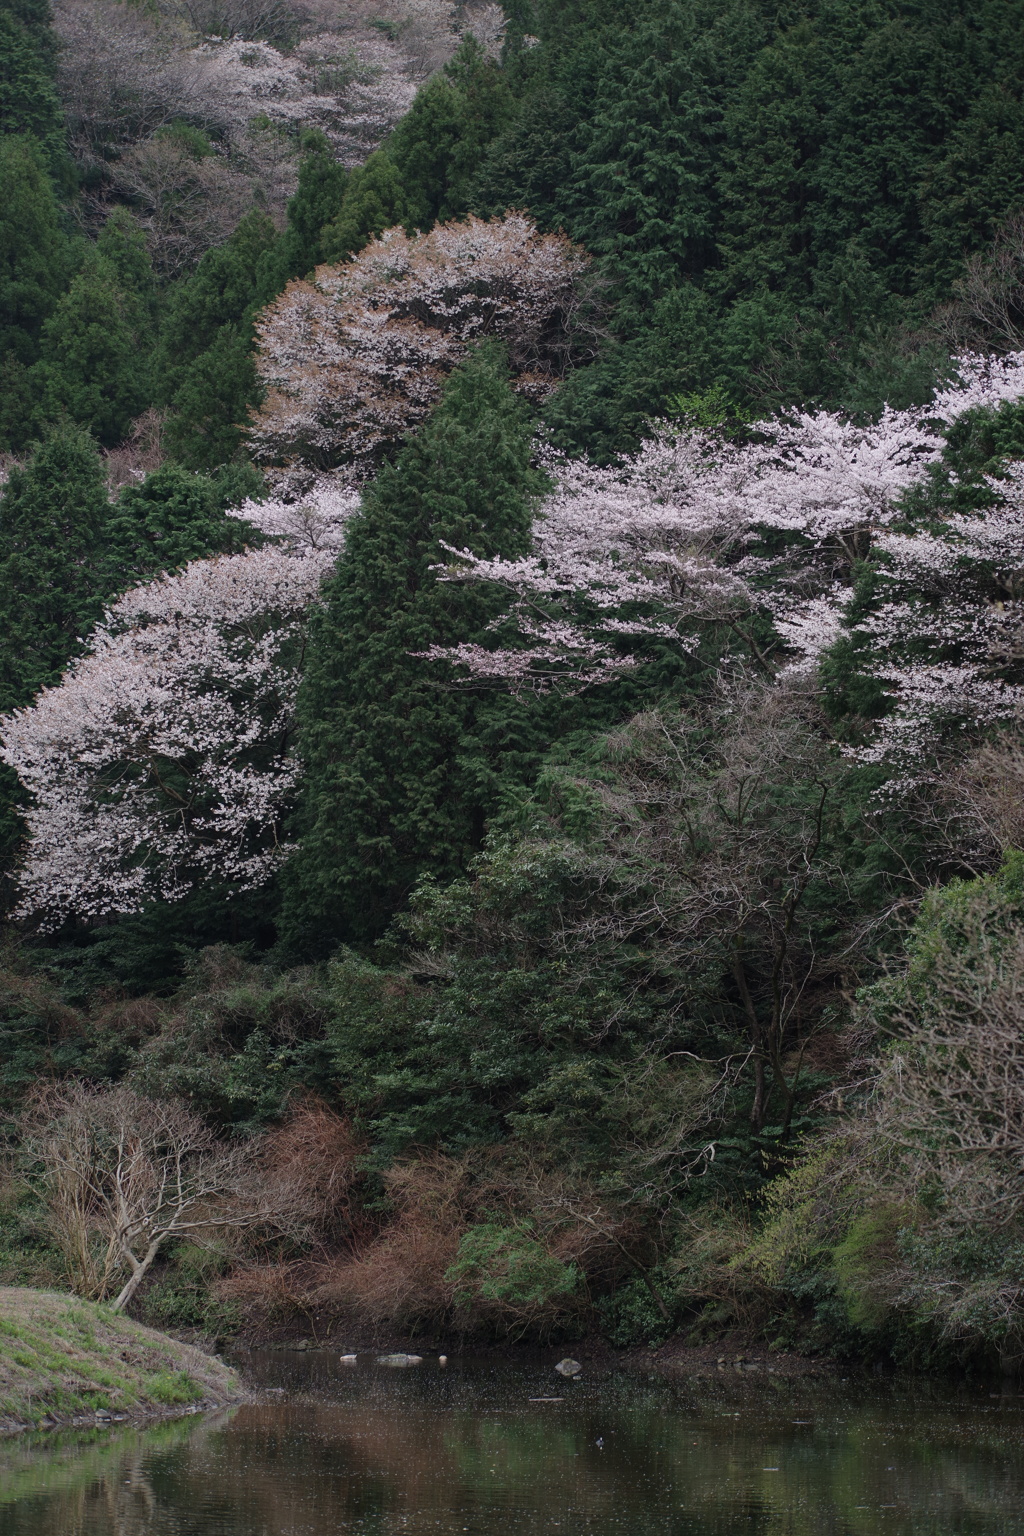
<point>140,1269</point>
<point>757,1111</point>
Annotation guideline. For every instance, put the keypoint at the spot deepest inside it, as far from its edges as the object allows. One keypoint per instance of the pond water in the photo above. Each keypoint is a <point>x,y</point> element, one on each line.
<point>463,1451</point>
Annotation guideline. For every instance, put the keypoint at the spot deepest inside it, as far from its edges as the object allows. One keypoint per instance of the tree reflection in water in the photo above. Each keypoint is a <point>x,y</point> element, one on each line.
<point>383,1453</point>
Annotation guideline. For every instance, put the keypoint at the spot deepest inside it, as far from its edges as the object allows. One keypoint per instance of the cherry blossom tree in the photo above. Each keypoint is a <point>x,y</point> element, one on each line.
<point>308,514</point>
<point>692,531</point>
<point>946,638</point>
<point>127,73</point>
<point>162,759</point>
<point>355,358</point>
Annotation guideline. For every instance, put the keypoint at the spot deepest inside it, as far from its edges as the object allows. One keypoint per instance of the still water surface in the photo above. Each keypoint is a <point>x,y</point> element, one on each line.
<point>462,1451</point>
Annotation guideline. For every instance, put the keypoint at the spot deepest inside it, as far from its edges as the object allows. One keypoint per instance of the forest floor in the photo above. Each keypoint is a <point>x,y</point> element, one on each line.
<point>68,1361</point>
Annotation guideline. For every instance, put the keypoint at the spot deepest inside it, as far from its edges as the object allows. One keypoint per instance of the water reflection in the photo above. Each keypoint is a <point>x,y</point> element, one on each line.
<point>427,1452</point>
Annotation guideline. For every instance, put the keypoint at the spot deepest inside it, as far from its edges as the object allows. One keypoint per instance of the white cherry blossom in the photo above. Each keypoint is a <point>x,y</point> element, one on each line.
<point>355,358</point>
<point>162,759</point>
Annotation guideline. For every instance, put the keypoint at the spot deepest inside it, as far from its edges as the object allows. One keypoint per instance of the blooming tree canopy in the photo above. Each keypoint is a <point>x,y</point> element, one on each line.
<point>693,531</point>
<point>162,759</point>
<point>355,358</point>
<point>128,72</point>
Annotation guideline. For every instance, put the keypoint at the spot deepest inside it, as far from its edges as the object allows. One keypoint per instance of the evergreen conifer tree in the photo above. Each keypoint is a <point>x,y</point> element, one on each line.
<point>36,256</point>
<point>402,771</point>
<point>28,94</point>
<point>220,292</point>
<point>122,244</point>
<point>54,572</point>
<point>95,353</point>
<point>174,516</point>
<point>204,364</point>
<point>318,199</point>
<point>212,404</point>
<point>374,200</point>
<point>439,145</point>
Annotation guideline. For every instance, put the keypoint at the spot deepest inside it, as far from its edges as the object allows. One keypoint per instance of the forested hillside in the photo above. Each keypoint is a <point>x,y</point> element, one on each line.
<point>510,540</point>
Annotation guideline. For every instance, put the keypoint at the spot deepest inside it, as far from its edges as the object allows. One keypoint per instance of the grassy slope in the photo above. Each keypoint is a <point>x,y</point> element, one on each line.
<point>61,1357</point>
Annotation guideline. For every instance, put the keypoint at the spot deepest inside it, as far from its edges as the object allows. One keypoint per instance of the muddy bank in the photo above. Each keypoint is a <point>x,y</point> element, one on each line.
<point>734,1354</point>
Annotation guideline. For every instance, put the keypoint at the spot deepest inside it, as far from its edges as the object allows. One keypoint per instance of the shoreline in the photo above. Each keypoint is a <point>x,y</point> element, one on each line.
<point>732,1355</point>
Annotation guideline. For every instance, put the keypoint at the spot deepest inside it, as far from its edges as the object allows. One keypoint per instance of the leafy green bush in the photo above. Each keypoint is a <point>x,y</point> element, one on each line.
<point>506,1272</point>
<point>631,1316</point>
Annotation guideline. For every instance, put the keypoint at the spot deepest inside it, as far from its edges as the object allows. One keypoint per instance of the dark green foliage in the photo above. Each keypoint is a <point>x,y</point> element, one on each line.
<point>182,1292</point>
<point>122,245</point>
<point>204,363</point>
<point>65,550</point>
<point>439,145</point>
<point>374,200</point>
<point>95,353</point>
<point>401,770</point>
<point>506,1264</point>
<point>36,257</point>
<point>175,516</point>
<point>778,198</point>
<point>53,576</point>
<point>462,1061</point>
<point>211,405</point>
<point>28,95</point>
<point>221,291</point>
<point>630,1315</point>
<point>238,1040</point>
<point>320,195</point>
<point>44,1036</point>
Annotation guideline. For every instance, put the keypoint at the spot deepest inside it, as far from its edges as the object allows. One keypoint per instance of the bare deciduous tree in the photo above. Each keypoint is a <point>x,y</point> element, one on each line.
<point>711,854</point>
<point>185,203</point>
<point>950,1099</point>
<point>122,1175</point>
<point>987,312</point>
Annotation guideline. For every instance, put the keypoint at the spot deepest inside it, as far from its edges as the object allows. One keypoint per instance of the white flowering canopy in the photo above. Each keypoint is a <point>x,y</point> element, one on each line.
<point>164,759</point>
<point>692,531</point>
<point>355,358</point>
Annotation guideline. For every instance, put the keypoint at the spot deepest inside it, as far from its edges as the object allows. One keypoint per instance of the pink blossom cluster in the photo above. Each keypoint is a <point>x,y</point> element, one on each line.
<point>162,759</point>
<point>355,358</point>
<point>947,637</point>
<point>692,531</point>
<point>308,513</point>
<point>356,90</point>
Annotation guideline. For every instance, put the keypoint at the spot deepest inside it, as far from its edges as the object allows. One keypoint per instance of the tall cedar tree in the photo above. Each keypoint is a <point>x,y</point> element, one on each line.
<point>402,771</point>
<point>53,524</point>
<point>204,363</point>
<point>36,261</point>
<point>317,200</point>
<point>95,353</point>
<point>28,94</point>
<point>439,145</point>
<point>374,200</point>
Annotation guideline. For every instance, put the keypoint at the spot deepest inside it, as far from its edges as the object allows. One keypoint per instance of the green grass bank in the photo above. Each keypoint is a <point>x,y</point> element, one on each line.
<point>62,1358</point>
